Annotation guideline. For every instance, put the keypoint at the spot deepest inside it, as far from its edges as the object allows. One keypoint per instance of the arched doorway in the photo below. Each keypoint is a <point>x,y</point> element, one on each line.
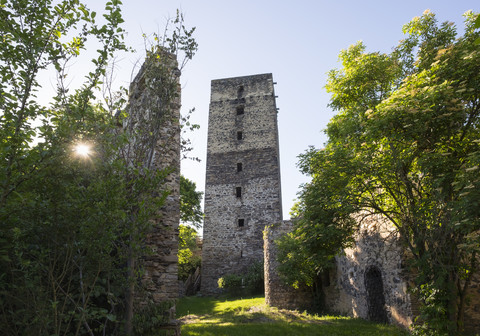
<point>375,295</point>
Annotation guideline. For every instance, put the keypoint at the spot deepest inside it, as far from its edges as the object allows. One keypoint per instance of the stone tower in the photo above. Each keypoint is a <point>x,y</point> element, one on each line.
<point>154,130</point>
<point>242,192</point>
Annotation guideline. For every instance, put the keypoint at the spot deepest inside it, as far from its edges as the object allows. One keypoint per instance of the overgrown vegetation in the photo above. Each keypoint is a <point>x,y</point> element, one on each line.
<point>73,222</point>
<point>250,283</point>
<point>188,252</point>
<point>190,202</point>
<point>404,144</point>
<point>209,316</point>
<point>149,318</point>
<point>189,258</point>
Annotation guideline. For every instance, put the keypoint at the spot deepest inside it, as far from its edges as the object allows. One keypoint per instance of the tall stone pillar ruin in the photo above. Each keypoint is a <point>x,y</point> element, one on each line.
<point>153,125</point>
<point>242,192</point>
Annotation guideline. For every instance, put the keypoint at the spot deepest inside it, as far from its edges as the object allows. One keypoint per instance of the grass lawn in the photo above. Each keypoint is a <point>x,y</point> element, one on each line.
<point>202,316</point>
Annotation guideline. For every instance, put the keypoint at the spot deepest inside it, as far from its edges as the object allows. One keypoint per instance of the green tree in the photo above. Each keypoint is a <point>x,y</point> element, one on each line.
<point>70,222</point>
<point>404,144</point>
<point>188,257</point>
<point>191,213</point>
<point>190,203</point>
<point>55,278</point>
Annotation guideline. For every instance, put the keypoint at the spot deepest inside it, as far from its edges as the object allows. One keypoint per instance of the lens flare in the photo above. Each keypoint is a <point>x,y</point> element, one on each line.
<point>82,150</point>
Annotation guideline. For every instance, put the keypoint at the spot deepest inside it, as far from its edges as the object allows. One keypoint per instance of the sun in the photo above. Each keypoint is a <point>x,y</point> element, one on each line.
<point>82,150</point>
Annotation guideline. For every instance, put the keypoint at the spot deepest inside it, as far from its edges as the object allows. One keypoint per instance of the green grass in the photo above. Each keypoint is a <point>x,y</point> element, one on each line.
<point>202,316</point>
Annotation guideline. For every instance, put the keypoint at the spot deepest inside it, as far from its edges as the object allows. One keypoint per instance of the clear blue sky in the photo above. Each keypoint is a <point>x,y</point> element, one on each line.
<point>298,41</point>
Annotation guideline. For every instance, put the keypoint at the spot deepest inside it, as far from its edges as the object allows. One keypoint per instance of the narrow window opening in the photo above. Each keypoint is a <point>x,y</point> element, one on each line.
<point>240,91</point>
<point>241,222</point>
<point>239,135</point>
<point>238,191</point>
<point>239,167</point>
<point>241,253</point>
<point>240,110</point>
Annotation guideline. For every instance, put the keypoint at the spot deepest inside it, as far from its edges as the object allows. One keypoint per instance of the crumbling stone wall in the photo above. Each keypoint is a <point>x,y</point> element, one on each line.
<point>472,309</point>
<point>242,192</point>
<point>277,294</point>
<point>370,280</point>
<point>153,122</point>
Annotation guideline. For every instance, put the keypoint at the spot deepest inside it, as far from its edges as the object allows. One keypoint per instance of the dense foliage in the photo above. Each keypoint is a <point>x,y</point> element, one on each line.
<point>249,283</point>
<point>405,144</point>
<point>189,258</point>
<point>188,252</point>
<point>73,222</point>
<point>190,203</point>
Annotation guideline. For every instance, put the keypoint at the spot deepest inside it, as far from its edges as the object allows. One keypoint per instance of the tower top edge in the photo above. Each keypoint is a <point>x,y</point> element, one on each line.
<point>264,76</point>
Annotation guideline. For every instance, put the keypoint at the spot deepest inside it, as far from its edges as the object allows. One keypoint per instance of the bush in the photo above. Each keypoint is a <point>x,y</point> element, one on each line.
<point>233,284</point>
<point>152,316</point>
<point>251,283</point>
<point>254,280</point>
<point>187,263</point>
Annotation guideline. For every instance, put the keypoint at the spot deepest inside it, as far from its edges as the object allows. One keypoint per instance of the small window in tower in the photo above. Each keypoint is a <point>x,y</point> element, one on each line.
<point>240,91</point>
<point>238,191</point>
<point>239,167</point>
<point>239,135</point>
<point>241,222</point>
<point>240,110</point>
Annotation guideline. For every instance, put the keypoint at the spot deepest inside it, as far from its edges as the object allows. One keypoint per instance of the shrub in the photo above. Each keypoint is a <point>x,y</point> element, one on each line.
<point>152,316</point>
<point>251,283</point>
<point>233,284</point>
<point>254,280</point>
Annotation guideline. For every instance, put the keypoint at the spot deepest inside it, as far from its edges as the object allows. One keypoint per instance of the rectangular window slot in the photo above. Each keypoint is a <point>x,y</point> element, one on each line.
<point>239,135</point>
<point>241,222</point>
<point>238,191</point>
<point>240,91</point>
<point>240,110</point>
<point>239,167</point>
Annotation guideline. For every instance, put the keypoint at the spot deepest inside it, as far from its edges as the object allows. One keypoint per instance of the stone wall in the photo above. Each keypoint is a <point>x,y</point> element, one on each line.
<point>277,294</point>
<point>242,192</point>
<point>154,126</point>
<point>472,309</point>
<point>369,280</point>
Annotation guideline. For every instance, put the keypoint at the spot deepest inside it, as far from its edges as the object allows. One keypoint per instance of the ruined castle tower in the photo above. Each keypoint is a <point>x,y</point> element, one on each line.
<point>154,131</point>
<point>242,192</point>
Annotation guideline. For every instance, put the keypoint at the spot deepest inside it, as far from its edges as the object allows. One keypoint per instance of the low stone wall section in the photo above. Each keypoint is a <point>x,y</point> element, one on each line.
<point>369,279</point>
<point>277,293</point>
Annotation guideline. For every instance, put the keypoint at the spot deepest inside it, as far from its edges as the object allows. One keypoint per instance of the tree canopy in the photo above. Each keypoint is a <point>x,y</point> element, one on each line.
<point>190,203</point>
<point>404,144</point>
<point>72,226</point>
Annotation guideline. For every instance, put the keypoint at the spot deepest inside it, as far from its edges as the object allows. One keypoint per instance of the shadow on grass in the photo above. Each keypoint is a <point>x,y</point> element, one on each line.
<point>196,305</point>
<point>284,329</point>
<point>212,316</point>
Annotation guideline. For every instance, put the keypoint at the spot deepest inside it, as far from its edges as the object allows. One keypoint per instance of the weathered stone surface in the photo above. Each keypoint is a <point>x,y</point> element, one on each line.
<point>246,105</point>
<point>277,294</point>
<point>158,148</point>
<point>369,280</point>
<point>375,262</point>
<point>472,309</point>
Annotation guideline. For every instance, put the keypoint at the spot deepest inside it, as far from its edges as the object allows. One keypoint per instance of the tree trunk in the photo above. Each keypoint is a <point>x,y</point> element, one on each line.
<point>130,293</point>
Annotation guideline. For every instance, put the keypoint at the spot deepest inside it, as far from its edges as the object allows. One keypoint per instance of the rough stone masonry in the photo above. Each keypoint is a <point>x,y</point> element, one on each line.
<point>242,192</point>
<point>154,127</point>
